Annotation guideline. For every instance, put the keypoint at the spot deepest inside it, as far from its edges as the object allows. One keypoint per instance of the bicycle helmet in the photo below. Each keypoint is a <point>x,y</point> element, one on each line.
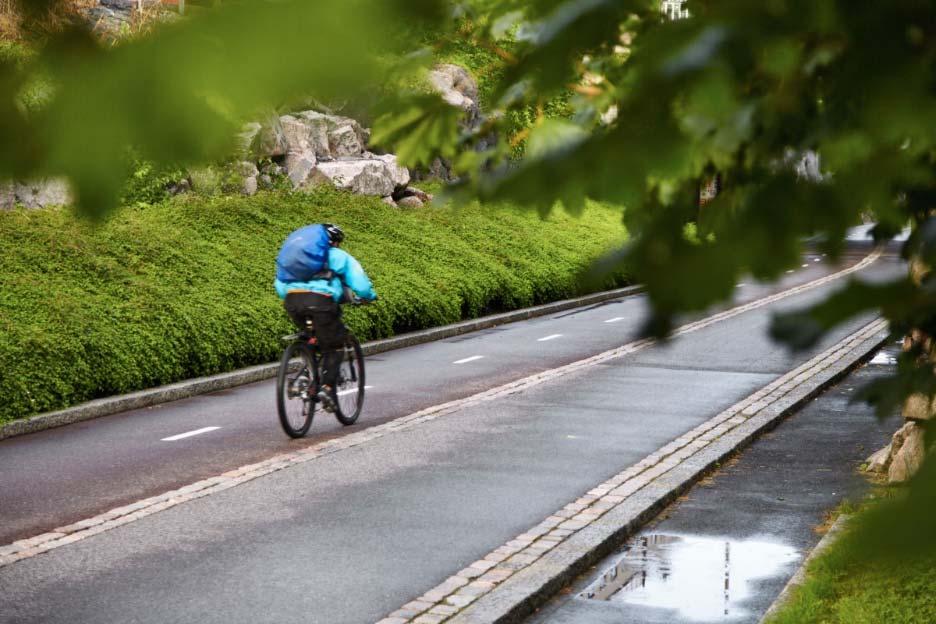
<point>335,234</point>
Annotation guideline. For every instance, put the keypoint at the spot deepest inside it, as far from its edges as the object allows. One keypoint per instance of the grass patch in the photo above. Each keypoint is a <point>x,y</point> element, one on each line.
<point>184,288</point>
<point>845,586</point>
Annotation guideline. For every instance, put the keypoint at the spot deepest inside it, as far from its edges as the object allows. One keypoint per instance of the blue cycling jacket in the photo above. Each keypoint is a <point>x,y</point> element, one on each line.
<point>347,270</point>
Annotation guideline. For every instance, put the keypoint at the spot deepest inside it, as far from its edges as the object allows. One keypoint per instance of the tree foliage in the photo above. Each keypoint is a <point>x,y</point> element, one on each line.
<point>741,88</point>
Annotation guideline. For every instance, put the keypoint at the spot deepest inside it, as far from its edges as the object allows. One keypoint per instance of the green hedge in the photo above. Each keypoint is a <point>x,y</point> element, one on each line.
<point>184,288</point>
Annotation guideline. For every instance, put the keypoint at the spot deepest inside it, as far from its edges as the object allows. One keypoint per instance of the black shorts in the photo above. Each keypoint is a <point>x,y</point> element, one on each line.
<point>325,313</point>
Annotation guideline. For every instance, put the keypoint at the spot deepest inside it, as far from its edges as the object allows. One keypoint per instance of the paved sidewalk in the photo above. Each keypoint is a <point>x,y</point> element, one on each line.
<point>724,551</point>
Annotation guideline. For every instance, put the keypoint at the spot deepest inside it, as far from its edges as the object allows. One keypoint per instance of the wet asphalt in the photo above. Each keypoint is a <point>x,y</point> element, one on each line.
<point>725,550</point>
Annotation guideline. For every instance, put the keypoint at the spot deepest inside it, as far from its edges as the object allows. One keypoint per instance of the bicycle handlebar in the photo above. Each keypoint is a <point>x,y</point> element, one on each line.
<point>357,301</point>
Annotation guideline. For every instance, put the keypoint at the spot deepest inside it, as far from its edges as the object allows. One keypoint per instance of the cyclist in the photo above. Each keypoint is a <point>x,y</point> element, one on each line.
<point>319,299</point>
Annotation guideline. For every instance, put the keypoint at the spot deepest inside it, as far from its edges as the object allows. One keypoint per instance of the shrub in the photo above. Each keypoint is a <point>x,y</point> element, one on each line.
<point>149,184</point>
<point>184,288</point>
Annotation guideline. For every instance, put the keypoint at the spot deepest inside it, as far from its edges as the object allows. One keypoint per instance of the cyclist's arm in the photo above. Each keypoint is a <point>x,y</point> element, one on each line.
<point>281,288</point>
<point>351,273</point>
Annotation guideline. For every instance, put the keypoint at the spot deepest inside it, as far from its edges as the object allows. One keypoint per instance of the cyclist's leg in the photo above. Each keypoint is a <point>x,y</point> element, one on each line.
<point>331,333</point>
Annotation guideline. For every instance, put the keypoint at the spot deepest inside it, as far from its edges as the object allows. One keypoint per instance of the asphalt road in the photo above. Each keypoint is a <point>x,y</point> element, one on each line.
<point>725,551</point>
<point>59,476</point>
<point>350,537</point>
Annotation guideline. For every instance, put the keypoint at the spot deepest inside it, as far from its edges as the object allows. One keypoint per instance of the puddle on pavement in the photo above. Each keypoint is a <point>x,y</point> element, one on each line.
<point>700,577</point>
<point>885,358</point>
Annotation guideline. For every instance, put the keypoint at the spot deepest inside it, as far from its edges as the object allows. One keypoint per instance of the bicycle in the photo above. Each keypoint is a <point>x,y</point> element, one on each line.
<point>299,381</point>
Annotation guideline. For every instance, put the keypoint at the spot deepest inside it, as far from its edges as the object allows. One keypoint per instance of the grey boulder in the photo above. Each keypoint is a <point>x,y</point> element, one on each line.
<point>318,126</point>
<point>410,201</point>
<point>296,133</point>
<point>398,173</point>
<point>271,140</point>
<point>362,176</point>
<point>458,88</point>
<point>40,193</point>
<point>7,196</point>
<point>249,173</point>
<point>343,142</point>
<point>299,167</point>
<point>908,451</point>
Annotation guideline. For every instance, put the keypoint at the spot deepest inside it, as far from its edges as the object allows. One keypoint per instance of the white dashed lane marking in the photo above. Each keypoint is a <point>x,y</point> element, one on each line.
<point>189,434</point>
<point>350,390</point>
<point>550,337</point>
<point>615,319</point>
<point>468,359</point>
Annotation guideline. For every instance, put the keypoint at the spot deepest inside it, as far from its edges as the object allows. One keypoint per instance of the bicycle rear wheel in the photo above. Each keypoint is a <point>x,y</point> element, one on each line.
<point>349,390</point>
<point>295,390</point>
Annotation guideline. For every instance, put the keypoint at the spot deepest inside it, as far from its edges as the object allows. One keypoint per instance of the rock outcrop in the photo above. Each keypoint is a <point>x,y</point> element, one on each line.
<point>112,19</point>
<point>315,148</point>
<point>907,452</point>
<point>879,462</point>
<point>249,177</point>
<point>35,193</point>
<point>457,87</point>
<point>365,177</point>
<point>307,148</point>
<point>902,458</point>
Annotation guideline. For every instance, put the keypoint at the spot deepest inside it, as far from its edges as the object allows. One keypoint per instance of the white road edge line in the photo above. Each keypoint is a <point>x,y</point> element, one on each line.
<point>468,359</point>
<point>550,337</point>
<point>189,434</point>
<point>615,319</point>
<point>349,391</point>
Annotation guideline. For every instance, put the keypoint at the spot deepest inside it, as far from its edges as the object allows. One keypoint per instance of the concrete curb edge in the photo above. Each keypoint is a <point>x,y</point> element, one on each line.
<point>203,385</point>
<point>520,595</point>
<point>799,577</point>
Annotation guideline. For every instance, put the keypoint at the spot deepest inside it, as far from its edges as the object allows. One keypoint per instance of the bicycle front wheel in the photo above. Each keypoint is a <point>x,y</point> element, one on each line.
<point>295,390</point>
<point>349,390</point>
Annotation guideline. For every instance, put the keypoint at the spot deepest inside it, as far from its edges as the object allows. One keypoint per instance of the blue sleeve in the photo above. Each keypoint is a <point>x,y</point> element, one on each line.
<point>351,273</point>
<point>281,288</point>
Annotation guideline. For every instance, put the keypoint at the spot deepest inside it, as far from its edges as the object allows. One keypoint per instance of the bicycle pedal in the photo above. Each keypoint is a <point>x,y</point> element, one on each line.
<point>328,404</point>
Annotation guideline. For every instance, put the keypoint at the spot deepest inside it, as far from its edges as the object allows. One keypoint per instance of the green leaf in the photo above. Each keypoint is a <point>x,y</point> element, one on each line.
<point>554,136</point>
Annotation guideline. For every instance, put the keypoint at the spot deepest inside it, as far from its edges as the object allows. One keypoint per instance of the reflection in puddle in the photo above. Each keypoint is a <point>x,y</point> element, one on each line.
<point>883,357</point>
<point>702,578</point>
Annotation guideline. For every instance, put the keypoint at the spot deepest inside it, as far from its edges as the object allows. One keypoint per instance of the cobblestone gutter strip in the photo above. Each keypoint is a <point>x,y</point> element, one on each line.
<point>251,374</point>
<point>23,549</point>
<point>510,582</point>
<point>799,577</point>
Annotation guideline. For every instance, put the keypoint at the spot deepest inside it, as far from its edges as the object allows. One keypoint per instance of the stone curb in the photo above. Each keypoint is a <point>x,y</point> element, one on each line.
<point>30,547</point>
<point>203,385</point>
<point>510,582</point>
<point>799,577</point>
